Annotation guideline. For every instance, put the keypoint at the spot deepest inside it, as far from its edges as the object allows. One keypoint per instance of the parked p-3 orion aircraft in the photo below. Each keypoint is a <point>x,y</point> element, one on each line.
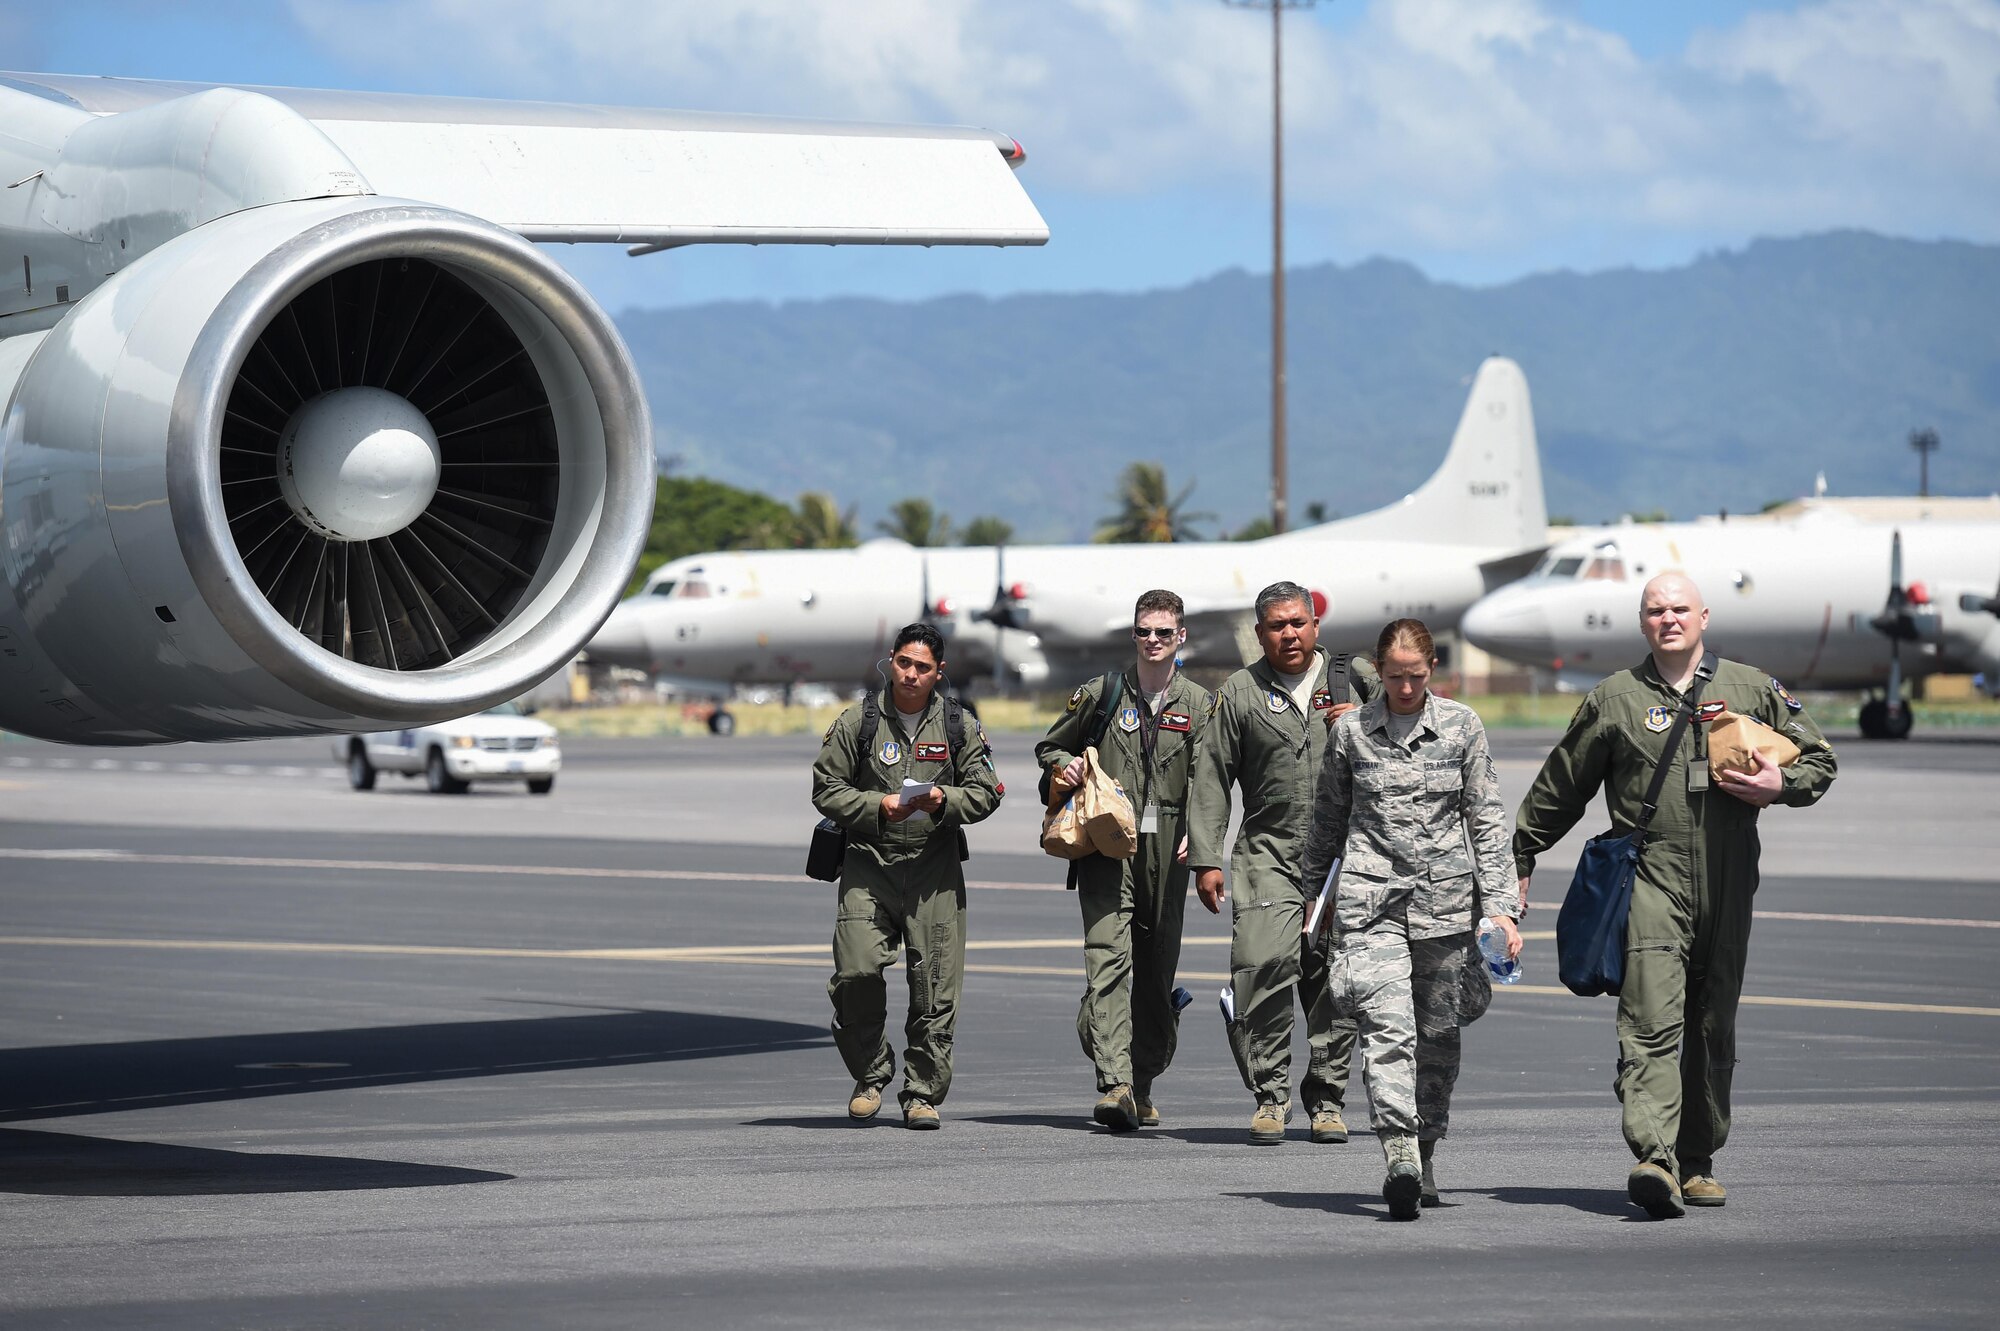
<point>1035,613</point>
<point>302,433</point>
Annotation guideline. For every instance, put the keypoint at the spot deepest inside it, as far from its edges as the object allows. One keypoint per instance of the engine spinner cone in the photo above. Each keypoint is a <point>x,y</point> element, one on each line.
<point>358,464</point>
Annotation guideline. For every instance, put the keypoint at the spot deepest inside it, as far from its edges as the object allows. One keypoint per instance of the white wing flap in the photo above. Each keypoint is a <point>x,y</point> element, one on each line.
<point>558,172</point>
<point>693,186</point>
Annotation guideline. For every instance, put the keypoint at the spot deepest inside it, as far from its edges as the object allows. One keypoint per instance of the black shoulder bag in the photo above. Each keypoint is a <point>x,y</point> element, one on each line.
<point>1590,928</point>
<point>828,851</point>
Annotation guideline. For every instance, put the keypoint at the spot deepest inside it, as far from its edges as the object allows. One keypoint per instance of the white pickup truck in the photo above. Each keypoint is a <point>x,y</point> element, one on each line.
<point>499,744</point>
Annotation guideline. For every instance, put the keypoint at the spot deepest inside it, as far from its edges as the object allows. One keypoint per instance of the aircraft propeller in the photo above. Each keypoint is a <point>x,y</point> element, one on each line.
<point>1906,617</point>
<point>1006,612</point>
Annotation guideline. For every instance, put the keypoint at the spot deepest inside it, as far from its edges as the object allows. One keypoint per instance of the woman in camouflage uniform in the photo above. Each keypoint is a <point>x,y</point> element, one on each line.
<point>1408,802</point>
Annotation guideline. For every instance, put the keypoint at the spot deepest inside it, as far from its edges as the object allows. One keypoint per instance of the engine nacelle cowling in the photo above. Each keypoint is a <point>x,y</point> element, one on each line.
<point>160,580</point>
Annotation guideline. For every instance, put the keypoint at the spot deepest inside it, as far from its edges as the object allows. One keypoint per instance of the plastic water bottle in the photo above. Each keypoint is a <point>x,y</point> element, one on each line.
<point>1493,947</point>
<point>1181,997</point>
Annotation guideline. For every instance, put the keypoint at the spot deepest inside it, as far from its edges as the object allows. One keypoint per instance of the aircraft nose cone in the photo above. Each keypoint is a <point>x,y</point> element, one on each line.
<point>1511,625</point>
<point>622,641</point>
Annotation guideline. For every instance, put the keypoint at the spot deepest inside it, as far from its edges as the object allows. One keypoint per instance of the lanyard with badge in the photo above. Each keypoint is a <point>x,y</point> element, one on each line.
<point>1149,740</point>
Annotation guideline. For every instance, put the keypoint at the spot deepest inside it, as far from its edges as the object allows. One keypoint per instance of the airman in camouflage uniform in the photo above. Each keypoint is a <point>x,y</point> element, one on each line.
<point>1688,933</point>
<point>1413,812</point>
<point>1272,742</point>
<point>901,881</point>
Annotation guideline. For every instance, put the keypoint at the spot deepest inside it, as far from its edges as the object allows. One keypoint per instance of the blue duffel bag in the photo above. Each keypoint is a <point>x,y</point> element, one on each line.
<point>1590,927</point>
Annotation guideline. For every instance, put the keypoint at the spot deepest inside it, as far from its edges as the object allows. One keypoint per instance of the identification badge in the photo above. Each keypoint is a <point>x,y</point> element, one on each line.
<point>1149,821</point>
<point>1176,721</point>
<point>932,753</point>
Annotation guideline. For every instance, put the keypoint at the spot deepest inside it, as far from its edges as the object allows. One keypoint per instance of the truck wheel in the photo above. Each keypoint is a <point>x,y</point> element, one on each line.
<point>438,778</point>
<point>541,785</point>
<point>360,772</point>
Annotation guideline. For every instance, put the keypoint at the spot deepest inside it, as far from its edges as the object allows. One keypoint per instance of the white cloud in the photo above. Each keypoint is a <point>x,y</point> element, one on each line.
<point>1435,125</point>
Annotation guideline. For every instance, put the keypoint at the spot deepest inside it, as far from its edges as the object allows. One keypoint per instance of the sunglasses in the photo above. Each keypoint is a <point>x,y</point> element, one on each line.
<point>1162,635</point>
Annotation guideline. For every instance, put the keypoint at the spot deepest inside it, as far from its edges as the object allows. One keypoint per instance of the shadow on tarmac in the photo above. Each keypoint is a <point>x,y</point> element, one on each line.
<point>57,1164</point>
<point>1370,1207</point>
<point>1080,1123</point>
<point>60,1081</point>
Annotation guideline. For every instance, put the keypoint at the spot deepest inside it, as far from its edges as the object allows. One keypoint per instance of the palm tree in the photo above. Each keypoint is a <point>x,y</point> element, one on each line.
<point>1146,513</point>
<point>821,525</point>
<point>915,521</point>
<point>987,531</point>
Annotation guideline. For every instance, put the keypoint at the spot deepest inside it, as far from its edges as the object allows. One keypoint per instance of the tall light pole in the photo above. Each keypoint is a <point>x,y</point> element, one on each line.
<point>1280,501</point>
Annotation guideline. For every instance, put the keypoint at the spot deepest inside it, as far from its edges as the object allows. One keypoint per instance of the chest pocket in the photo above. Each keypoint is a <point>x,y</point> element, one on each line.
<point>1377,779</point>
<point>1443,778</point>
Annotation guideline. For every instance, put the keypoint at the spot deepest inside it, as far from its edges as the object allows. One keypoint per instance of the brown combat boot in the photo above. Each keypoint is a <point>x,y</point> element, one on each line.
<point>920,1116</point>
<point>1268,1123</point>
<point>1149,1113</point>
<point>1116,1109</point>
<point>865,1101</point>
<point>1653,1190</point>
<point>1328,1128</point>
<point>1703,1190</point>
<point>1402,1186</point>
<point>1430,1193</point>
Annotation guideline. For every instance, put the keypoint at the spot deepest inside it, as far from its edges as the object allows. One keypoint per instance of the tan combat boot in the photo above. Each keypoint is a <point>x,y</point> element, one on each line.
<point>1430,1193</point>
<point>1328,1128</point>
<point>1403,1185</point>
<point>1116,1109</point>
<point>1703,1190</point>
<point>1149,1113</point>
<point>920,1116</point>
<point>1268,1123</point>
<point>865,1101</point>
<point>1653,1190</point>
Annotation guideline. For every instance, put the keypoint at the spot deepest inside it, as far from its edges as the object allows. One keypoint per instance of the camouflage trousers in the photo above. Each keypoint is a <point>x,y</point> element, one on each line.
<point>1442,971</point>
<point>1368,980</point>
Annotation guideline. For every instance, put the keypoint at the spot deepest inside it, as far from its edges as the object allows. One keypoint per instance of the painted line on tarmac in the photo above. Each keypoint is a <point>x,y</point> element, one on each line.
<point>89,855</point>
<point>817,956</point>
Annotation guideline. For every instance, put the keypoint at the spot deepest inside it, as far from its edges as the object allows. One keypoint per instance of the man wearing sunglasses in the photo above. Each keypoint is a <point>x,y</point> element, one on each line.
<point>1144,723</point>
<point>1269,733</point>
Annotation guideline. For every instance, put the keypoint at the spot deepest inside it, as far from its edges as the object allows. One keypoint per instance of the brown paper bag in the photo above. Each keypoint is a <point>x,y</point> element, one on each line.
<point>1093,819</point>
<point>1731,737</point>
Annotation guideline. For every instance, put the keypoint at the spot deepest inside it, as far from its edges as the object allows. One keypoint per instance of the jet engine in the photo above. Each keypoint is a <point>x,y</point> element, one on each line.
<point>332,465</point>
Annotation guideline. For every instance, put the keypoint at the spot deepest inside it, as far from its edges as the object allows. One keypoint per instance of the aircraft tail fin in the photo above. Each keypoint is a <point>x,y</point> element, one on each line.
<point>1487,491</point>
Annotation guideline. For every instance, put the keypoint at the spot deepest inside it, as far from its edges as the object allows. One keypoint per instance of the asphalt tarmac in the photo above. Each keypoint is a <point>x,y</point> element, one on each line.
<point>274,1053</point>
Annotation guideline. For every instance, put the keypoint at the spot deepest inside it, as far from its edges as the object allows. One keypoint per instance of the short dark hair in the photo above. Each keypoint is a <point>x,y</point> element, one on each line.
<point>1280,592</point>
<point>1159,599</point>
<point>923,633</point>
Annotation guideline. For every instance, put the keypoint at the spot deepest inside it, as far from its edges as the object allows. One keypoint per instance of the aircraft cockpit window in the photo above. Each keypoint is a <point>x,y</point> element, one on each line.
<point>694,589</point>
<point>1605,566</point>
<point>1566,567</point>
<point>664,588</point>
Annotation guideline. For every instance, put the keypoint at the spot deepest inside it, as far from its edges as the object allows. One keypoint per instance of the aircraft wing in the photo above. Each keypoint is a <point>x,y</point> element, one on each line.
<point>649,179</point>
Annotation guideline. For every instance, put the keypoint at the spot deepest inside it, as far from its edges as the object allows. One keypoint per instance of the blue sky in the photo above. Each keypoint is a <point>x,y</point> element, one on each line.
<point>1479,139</point>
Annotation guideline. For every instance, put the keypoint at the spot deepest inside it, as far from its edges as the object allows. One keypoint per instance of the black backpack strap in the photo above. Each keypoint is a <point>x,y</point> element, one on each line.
<point>1702,674</point>
<point>1338,686</point>
<point>954,729</point>
<point>1113,689</point>
<point>871,719</point>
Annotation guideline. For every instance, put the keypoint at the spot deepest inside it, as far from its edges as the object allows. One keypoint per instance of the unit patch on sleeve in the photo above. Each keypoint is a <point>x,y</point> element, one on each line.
<point>1176,721</point>
<point>1711,710</point>
<point>932,753</point>
<point>1658,719</point>
<point>1075,699</point>
<point>1786,697</point>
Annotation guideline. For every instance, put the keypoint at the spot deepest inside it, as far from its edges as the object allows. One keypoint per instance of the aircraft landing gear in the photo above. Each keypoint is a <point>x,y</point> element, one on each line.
<point>1881,721</point>
<point>721,723</point>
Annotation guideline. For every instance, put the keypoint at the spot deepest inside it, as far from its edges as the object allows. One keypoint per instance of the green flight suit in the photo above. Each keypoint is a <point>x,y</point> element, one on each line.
<point>1132,909</point>
<point>901,883</point>
<point>1688,934</point>
<point>1257,736</point>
